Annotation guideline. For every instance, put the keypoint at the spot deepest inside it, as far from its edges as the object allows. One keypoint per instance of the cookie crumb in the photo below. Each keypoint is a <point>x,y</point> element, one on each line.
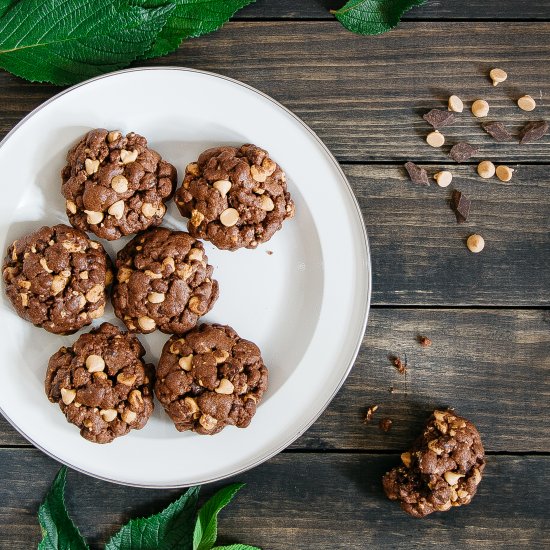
<point>370,413</point>
<point>424,341</point>
<point>385,424</point>
<point>269,252</point>
<point>399,364</point>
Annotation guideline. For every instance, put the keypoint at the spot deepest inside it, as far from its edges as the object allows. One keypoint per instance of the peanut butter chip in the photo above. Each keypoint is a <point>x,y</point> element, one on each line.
<point>435,139</point>
<point>91,166</point>
<point>128,156</point>
<point>229,217</point>
<point>498,76</point>
<point>443,178</point>
<point>148,209</point>
<point>526,103</point>
<point>93,217</point>
<point>95,363</point>
<point>223,186</point>
<point>119,184</point>
<point>455,104</point>
<point>504,173</point>
<point>266,203</point>
<point>94,294</point>
<point>71,206</point>
<point>68,396</point>
<point>117,209</point>
<point>486,169</point>
<point>475,243</point>
<point>480,108</point>
<point>146,323</point>
<point>156,297</point>
<point>196,218</point>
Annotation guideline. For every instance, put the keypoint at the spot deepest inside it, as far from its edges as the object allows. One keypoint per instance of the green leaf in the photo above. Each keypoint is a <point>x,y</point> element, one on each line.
<point>206,528</point>
<point>236,547</point>
<point>66,41</point>
<point>5,5</point>
<point>373,16</point>
<point>190,18</point>
<point>58,530</point>
<point>170,529</point>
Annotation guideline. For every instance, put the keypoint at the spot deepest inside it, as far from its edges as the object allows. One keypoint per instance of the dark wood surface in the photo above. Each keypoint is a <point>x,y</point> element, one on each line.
<point>434,9</point>
<point>487,315</point>
<point>300,500</point>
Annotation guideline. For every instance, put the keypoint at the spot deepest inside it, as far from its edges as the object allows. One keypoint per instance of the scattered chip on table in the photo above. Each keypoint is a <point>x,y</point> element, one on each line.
<point>462,151</point>
<point>439,118</point>
<point>497,130</point>
<point>418,175</point>
<point>533,131</point>
<point>460,203</point>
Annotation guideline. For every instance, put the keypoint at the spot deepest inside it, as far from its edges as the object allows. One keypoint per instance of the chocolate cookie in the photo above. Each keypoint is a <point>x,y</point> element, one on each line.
<point>209,379</point>
<point>163,281</point>
<point>101,384</point>
<point>116,185</point>
<point>442,469</point>
<point>234,197</point>
<point>56,278</point>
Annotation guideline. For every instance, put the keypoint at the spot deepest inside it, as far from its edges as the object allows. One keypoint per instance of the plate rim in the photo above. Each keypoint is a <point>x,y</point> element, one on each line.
<point>366,258</point>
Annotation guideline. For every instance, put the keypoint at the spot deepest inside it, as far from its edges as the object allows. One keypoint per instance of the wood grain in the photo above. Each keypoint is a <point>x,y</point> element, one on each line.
<point>490,365</point>
<point>418,251</point>
<point>298,501</point>
<point>433,9</point>
<point>365,95</point>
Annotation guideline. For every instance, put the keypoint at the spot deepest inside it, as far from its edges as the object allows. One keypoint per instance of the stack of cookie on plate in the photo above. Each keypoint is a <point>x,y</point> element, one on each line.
<point>59,279</point>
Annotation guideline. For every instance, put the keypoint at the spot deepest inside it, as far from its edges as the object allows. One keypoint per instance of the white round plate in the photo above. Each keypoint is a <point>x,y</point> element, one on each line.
<point>303,297</point>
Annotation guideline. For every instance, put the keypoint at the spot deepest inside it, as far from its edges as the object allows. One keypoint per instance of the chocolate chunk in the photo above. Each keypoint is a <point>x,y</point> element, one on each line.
<point>533,131</point>
<point>442,470</point>
<point>439,118</point>
<point>418,175</point>
<point>462,151</point>
<point>460,203</point>
<point>497,130</point>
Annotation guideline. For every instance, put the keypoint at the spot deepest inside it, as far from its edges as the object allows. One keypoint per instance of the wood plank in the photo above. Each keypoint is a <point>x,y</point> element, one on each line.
<point>365,95</point>
<point>433,9</point>
<point>491,365</point>
<point>418,251</point>
<point>316,501</point>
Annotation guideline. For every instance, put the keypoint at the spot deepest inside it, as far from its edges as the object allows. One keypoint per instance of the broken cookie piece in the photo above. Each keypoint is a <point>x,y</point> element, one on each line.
<point>442,469</point>
<point>416,174</point>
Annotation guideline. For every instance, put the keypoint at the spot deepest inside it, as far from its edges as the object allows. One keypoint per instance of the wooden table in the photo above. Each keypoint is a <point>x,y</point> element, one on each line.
<point>487,315</point>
